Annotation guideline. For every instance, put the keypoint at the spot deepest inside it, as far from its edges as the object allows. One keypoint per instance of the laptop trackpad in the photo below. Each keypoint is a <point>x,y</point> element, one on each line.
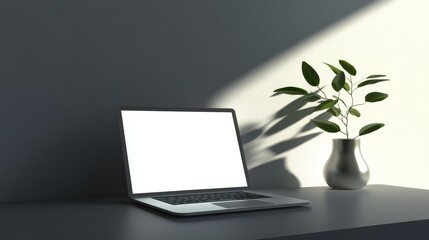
<point>239,204</point>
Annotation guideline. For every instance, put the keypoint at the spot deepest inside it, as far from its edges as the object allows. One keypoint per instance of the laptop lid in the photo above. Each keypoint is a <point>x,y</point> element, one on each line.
<point>181,150</point>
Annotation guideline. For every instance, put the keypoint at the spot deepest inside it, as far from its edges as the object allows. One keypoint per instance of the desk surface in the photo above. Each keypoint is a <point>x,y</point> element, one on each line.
<point>375,205</point>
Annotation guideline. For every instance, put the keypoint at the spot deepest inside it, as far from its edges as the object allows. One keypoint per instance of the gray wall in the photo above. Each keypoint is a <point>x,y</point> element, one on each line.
<point>66,66</point>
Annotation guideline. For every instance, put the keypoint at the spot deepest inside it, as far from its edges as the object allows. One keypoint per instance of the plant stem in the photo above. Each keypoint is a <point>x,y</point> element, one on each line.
<point>348,109</point>
<point>322,92</point>
<point>359,104</point>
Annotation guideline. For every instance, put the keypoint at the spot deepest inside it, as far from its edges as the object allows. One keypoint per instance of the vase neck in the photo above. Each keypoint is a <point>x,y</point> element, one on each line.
<point>346,143</point>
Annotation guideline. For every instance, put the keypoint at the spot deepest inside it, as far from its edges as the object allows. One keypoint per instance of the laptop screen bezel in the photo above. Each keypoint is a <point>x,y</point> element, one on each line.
<point>125,157</point>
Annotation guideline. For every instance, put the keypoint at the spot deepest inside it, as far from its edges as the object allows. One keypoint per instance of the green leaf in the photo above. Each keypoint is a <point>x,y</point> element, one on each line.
<point>334,69</point>
<point>375,97</point>
<point>370,128</point>
<point>291,91</point>
<point>346,87</point>
<point>334,111</point>
<point>348,67</point>
<point>312,98</point>
<point>326,125</point>
<point>354,112</point>
<point>376,76</point>
<point>325,104</point>
<point>310,74</point>
<point>339,81</point>
<point>371,81</point>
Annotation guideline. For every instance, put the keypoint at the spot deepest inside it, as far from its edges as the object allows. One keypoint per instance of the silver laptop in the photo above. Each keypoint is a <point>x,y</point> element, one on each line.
<point>189,162</point>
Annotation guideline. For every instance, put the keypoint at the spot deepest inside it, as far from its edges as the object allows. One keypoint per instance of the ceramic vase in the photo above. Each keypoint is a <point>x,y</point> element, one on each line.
<point>346,169</point>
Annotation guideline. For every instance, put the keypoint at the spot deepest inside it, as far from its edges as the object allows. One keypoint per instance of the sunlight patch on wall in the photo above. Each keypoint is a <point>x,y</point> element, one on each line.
<point>389,37</point>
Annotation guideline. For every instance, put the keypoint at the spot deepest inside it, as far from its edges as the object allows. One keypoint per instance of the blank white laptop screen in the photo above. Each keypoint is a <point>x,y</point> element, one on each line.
<point>177,150</point>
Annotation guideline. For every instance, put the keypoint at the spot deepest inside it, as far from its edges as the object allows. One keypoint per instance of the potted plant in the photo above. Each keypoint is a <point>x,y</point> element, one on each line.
<point>345,168</point>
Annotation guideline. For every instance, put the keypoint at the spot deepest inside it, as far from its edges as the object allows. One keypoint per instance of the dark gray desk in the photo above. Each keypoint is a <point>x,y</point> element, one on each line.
<point>377,210</point>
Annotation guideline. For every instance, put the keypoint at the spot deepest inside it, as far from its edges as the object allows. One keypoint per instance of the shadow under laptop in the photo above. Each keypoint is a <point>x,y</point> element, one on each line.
<point>166,218</point>
<point>266,155</point>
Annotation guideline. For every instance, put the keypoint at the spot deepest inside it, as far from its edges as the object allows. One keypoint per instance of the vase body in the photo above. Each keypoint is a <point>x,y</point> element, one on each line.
<point>346,169</point>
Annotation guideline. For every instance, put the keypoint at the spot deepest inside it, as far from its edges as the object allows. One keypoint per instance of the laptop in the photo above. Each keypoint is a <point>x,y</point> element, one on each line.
<point>190,162</point>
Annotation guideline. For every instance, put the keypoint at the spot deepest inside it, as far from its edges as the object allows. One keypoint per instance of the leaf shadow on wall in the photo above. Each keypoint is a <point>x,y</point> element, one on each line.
<point>268,166</point>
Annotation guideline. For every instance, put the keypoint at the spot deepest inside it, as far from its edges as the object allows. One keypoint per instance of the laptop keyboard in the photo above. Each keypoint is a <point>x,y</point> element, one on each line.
<point>208,197</point>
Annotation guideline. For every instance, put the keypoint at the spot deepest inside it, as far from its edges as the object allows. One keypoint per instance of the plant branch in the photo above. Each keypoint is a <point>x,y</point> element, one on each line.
<point>321,90</point>
<point>359,104</point>
<point>348,108</point>
<point>360,80</point>
<point>342,111</point>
